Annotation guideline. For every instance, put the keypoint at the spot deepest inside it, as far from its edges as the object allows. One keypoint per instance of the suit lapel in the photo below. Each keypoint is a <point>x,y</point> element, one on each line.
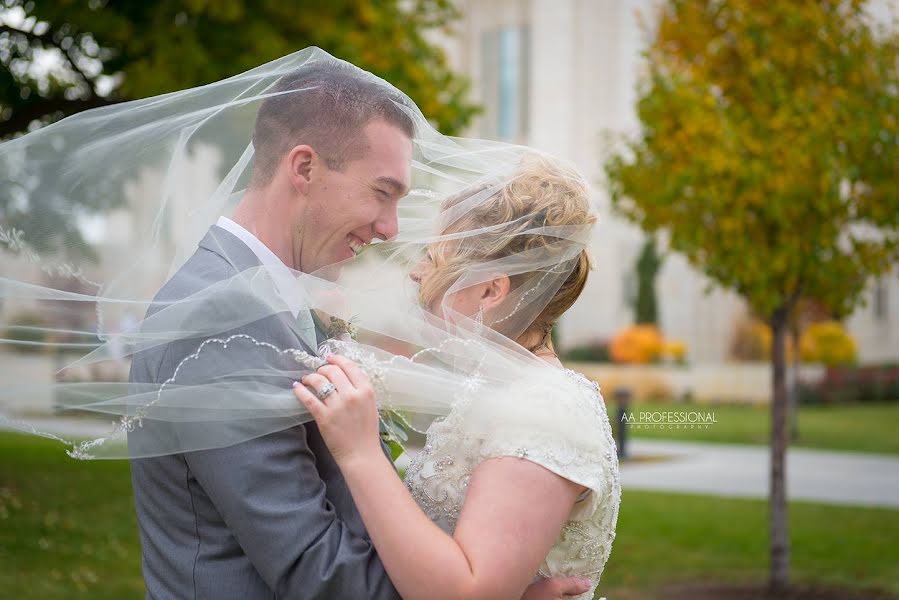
<point>230,248</point>
<point>236,253</point>
<point>239,255</point>
<point>321,332</point>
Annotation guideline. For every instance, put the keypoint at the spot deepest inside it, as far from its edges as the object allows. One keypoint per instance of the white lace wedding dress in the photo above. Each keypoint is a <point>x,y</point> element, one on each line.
<point>559,422</point>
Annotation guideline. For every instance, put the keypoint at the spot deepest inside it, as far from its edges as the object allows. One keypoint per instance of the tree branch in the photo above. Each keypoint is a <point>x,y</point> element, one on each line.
<point>46,39</point>
<point>77,69</point>
<point>23,117</point>
<point>47,106</point>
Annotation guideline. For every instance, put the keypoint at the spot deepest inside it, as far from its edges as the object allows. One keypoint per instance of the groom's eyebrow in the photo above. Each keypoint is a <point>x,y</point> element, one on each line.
<point>396,186</point>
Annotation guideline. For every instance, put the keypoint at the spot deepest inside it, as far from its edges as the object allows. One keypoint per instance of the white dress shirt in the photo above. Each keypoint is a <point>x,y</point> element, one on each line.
<point>287,284</point>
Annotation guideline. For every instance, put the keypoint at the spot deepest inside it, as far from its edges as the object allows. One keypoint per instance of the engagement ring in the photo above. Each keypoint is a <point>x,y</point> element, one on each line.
<point>327,390</point>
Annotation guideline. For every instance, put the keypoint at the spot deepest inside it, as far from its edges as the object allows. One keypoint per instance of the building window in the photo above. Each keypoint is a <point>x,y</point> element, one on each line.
<point>505,56</point>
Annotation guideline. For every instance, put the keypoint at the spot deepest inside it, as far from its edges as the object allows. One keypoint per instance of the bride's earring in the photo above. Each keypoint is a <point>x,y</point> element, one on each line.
<point>479,321</point>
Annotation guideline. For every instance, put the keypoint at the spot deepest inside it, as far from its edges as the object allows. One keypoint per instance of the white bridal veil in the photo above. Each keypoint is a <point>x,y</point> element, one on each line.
<point>99,210</point>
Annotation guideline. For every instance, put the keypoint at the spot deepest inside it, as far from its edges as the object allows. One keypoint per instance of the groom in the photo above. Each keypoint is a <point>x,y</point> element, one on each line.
<point>272,517</point>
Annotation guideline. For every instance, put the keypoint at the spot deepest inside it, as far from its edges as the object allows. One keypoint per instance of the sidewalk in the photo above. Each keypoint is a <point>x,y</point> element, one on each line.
<point>853,478</point>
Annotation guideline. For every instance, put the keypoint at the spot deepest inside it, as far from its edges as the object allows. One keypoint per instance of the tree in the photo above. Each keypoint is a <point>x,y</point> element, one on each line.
<point>647,267</point>
<point>114,50</point>
<point>106,51</point>
<point>767,153</point>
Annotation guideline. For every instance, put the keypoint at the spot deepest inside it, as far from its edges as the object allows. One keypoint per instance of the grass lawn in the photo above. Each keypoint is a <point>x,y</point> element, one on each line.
<point>67,530</point>
<point>856,427</point>
<point>668,538</point>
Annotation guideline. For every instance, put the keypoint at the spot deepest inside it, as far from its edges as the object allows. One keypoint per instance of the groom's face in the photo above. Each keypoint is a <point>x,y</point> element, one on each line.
<point>349,208</point>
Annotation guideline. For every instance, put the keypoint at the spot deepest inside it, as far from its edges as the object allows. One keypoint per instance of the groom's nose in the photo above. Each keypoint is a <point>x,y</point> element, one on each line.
<point>387,226</point>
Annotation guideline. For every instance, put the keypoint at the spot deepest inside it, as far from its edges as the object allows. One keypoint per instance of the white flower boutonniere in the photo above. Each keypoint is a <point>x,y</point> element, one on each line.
<point>393,426</point>
<point>342,330</point>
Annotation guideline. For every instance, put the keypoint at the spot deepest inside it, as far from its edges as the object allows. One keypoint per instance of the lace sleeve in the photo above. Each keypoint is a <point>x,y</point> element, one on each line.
<point>555,420</point>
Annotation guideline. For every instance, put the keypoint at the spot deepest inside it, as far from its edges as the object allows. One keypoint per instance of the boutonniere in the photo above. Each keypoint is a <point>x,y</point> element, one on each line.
<point>393,427</point>
<point>342,330</point>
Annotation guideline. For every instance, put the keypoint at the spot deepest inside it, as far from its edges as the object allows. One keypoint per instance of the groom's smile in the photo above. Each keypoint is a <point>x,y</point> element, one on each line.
<point>356,244</point>
<point>349,208</point>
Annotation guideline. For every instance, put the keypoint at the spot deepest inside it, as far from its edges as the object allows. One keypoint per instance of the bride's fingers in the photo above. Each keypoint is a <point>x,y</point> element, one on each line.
<point>308,399</point>
<point>336,376</point>
<point>317,382</point>
<point>355,375</point>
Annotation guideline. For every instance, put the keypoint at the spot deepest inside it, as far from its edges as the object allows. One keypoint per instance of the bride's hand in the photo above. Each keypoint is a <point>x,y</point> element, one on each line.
<point>348,416</point>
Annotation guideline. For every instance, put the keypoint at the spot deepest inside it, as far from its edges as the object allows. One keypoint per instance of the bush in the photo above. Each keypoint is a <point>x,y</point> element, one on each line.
<point>21,328</point>
<point>595,352</point>
<point>873,383</point>
<point>638,344</point>
<point>643,344</point>
<point>809,394</point>
<point>675,351</point>
<point>752,341</point>
<point>829,343</point>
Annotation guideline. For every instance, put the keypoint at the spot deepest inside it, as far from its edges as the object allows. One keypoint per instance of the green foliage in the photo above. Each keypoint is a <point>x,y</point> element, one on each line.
<point>129,49</point>
<point>158,47</point>
<point>768,148</point>
<point>593,352</point>
<point>767,154</point>
<point>29,330</point>
<point>864,426</point>
<point>396,450</point>
<point>853,384</point>
<point>647,267</point>
<point>829,343</point>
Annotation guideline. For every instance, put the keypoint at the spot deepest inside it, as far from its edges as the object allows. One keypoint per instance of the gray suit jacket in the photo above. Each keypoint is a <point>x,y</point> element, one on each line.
<point>268,518</point>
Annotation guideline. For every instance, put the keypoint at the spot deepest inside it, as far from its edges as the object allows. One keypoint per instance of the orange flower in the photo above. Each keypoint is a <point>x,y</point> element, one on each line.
<point>638,344</point>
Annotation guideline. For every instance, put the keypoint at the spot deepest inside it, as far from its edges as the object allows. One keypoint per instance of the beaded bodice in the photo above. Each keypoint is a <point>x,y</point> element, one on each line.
<point>577,444</point>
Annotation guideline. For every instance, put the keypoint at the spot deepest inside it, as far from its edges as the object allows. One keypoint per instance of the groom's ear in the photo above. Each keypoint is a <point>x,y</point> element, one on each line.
<point>301,161</point>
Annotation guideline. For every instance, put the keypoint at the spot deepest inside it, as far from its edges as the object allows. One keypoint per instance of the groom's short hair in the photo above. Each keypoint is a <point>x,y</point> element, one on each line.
<point>327,106</point>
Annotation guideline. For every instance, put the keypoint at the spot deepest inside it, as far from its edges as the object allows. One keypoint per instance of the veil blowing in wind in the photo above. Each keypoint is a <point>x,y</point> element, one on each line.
<point>98,210</point>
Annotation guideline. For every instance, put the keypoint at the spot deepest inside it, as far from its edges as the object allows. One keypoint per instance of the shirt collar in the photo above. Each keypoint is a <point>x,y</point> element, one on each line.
<point>288,286</point>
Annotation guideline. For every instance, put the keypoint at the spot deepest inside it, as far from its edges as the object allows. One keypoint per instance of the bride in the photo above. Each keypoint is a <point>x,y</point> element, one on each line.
<point>519,478</point>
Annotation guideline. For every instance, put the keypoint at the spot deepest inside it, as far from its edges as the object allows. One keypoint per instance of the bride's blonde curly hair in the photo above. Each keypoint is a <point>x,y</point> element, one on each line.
<point>542,193</point>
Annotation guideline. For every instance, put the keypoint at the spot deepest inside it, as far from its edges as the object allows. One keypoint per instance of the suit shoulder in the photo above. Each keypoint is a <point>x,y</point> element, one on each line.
<point>202,269</point>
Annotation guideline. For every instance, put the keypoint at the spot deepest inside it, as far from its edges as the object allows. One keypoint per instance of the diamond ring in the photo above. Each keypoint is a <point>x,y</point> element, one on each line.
<point>326,390</point>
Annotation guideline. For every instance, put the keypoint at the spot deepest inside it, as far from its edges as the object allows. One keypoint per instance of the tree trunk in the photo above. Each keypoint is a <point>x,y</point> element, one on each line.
<point>779,535</point>
<point>794,386</point>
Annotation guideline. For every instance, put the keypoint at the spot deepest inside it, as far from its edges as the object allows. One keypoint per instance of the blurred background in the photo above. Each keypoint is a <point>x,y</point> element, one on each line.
<point>745,295</point>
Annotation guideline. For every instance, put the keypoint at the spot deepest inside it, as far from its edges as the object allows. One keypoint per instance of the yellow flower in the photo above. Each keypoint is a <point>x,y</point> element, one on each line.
<point>676,350</point>
<point>828,343</point>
